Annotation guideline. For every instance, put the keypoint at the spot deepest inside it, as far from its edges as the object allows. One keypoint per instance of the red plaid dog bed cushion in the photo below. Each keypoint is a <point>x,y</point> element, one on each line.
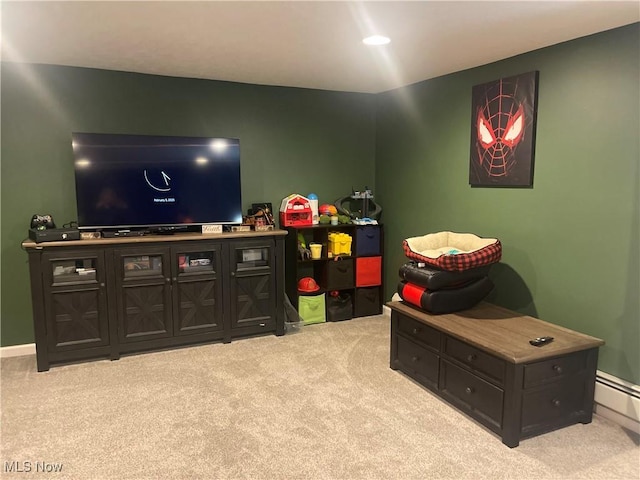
<point>454,252</point>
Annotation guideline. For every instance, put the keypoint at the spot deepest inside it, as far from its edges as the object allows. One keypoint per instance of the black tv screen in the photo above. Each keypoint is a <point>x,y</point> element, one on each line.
<point>141,181</point>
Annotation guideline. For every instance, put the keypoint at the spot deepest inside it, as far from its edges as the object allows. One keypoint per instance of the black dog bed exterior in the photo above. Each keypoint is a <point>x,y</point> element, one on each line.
<point>432,279</point>
<point>447,300</point>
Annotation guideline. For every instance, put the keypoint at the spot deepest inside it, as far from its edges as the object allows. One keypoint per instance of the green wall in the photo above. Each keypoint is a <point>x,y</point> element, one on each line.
<point>292,141</point>
<point>571,243</point>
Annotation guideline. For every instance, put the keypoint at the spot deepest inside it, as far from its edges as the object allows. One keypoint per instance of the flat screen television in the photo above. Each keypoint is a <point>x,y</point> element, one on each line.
<point>144,181</point>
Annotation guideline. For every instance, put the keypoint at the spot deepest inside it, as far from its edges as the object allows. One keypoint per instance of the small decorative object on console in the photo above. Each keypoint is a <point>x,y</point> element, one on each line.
<point>260,217</point>
<point>90,235</point>
<point>240,228</point>
<point>209,228</point>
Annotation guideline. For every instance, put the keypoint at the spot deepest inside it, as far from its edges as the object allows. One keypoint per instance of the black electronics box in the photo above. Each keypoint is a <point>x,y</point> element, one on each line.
<point>54,234</point>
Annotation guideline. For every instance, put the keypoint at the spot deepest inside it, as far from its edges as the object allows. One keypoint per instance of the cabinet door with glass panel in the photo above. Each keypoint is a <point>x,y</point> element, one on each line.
<point>197,288</point>
<point>252,285</point>
<point>75,300</point>
<point>143,293</point>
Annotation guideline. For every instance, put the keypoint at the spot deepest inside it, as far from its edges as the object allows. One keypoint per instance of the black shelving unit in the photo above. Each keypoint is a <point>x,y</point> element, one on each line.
<point>358,275</point>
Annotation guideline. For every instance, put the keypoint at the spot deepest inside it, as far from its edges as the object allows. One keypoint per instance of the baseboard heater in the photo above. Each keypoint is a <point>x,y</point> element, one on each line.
<point>618,400</point>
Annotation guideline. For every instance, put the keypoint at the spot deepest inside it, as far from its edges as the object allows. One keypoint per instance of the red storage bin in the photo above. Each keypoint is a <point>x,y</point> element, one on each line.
<point>368,271</point>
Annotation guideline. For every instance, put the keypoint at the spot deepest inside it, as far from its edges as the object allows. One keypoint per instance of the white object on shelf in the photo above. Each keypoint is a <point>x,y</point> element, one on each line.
<point>313,203</point>
<point>208,228</point>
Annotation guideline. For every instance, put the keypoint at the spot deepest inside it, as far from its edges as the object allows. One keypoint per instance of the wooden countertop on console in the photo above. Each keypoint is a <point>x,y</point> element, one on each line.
<point>503,332</point>
<point>176,237</point>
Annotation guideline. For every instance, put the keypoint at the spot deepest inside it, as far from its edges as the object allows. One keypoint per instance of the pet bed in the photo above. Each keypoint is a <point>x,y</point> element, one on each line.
<point>447,300</point>
<point>432,279</point>
<point>452,251</point>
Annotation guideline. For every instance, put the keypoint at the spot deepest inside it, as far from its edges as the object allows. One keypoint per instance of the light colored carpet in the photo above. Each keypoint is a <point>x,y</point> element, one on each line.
<point>318,404</point>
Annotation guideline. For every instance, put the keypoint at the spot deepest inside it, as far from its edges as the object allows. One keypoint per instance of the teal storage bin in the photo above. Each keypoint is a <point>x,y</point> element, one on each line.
<point>312,309</point>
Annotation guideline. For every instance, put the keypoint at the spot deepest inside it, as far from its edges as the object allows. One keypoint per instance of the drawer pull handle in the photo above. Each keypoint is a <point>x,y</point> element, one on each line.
<point>415,359</point>
<point>468,390</point>
<point>557,368</point>
<point>472,357</point>
<point>416,331</point>
<point>555,402</point>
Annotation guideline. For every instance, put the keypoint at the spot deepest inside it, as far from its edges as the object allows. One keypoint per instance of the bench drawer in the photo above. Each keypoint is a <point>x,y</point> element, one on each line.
<point>418,362</point>
<point>473,393</point>
<point>476,359</point>
<point>551,370</point>
<point>419,332</point>
<point>557,402</point>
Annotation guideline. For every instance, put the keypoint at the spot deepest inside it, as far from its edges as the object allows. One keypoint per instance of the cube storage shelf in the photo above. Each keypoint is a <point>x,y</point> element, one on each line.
<point>355,274</point>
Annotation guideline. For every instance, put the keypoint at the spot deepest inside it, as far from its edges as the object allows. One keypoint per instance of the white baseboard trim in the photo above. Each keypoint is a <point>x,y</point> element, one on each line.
<point>18,350</point>
<point>618,400</point>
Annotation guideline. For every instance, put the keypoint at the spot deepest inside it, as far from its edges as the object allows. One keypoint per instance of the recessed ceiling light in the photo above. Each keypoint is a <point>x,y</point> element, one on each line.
<point>376,40</point>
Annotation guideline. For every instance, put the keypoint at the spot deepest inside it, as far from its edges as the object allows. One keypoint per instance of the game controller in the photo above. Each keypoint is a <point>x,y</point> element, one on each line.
<point>42,222</point>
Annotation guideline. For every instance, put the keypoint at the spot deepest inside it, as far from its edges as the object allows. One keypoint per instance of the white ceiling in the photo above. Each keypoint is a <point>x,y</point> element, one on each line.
<point>309,44</point>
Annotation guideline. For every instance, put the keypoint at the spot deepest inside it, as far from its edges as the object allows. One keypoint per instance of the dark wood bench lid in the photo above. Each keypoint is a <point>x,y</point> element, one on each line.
<point>502,332</point>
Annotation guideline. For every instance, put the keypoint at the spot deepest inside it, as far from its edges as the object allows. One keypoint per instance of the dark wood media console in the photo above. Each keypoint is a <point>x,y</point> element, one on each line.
<point>105,297</point>
<point>480,361</point>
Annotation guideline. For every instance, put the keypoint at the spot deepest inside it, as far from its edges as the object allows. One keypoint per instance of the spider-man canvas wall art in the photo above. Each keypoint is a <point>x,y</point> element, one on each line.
<point>503,123</point>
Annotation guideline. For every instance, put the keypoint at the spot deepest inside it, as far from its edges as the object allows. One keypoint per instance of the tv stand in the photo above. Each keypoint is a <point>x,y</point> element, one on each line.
<point>108,297</point>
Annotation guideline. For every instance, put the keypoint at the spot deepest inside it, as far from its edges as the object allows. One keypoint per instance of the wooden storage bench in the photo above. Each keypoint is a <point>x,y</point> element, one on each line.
<point>480,360</point>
